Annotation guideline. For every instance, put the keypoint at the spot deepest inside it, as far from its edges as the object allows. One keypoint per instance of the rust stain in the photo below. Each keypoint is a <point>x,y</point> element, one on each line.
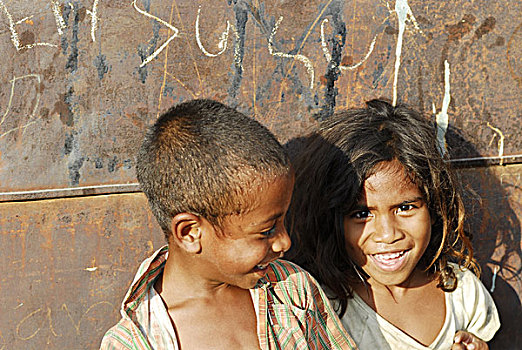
<point>27,38</point>
<point>487,26</point>
<point>457,31</point>
<point>62,108</point>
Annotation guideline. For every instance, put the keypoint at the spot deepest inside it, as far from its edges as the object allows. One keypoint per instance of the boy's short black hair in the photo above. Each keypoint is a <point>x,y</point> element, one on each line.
<point>203,157</point>
<point>331,170</point>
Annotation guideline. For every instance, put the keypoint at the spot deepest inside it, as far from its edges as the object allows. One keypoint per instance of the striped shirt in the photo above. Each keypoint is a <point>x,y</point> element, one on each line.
<point>292,312</point>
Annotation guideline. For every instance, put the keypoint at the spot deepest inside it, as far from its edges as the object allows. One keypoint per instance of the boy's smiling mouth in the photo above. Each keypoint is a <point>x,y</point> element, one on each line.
<point>390,261</point>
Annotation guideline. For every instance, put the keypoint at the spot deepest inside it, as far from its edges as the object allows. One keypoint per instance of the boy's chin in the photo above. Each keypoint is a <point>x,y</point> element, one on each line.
<point>249,282</point>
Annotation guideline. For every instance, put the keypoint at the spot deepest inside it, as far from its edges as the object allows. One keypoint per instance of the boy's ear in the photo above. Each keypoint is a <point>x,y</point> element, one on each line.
<point>186,232</point>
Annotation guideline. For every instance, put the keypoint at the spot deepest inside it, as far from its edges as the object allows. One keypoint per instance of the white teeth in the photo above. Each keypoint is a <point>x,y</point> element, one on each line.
<point>388,256</point>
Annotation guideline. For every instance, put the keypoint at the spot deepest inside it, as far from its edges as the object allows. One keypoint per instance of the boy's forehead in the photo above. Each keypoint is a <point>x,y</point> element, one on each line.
<point>265,195</point>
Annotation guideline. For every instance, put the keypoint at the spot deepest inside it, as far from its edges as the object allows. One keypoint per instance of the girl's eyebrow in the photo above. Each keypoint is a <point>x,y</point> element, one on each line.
<point>409,201</point>
<point>359,206</point>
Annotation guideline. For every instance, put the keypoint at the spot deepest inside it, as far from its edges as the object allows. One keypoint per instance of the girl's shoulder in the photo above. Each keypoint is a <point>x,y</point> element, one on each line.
<point>466,279</point>
<point>471,305</point>
<point>470,294</point>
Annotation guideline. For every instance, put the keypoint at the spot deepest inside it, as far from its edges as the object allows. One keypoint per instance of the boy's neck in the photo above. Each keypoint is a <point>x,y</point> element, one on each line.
<point>181,281</point>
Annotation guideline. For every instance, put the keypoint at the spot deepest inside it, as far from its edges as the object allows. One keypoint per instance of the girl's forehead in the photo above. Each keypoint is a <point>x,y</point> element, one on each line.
<point>389,175</point>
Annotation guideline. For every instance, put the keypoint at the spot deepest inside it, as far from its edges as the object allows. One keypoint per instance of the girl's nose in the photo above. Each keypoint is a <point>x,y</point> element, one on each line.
<point>386,230</point>
<point>281,242</point>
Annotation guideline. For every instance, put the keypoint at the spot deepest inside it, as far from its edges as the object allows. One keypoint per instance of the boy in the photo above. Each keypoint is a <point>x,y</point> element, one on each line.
<point>219,185</point>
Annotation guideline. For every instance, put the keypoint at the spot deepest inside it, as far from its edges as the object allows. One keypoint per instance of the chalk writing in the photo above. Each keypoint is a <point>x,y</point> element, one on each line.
<point>166,43</point>
<point>328,56</point>
<point>9,103</point>
<point>38,329</point>
<point>403,13</point>
<point>298,57</point>
<point>14,34</point>
<point>60,23</point>
<point>222,42</point>
<point>77,325</point>
<point>500,142</point>
<point>94,19</point>
<point>46,322</point>
<point>442,116</point>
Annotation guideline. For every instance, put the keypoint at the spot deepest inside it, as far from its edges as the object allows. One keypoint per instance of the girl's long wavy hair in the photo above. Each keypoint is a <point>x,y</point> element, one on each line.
<point>331,168</point>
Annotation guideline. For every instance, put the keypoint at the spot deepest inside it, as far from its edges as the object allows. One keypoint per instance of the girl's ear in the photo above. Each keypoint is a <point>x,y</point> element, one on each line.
<point>186,232</point>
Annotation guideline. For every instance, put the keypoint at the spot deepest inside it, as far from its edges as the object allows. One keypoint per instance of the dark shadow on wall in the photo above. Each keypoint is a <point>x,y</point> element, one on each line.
<point>496,233</point>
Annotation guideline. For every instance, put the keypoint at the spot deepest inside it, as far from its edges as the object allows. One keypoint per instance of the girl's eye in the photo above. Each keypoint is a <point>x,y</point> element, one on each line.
<point>405,207</point>
<point>361,214</point>
<point>269,232</point>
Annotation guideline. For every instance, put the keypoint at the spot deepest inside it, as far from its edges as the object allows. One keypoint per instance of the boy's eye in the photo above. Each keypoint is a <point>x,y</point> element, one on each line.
<point>269,232</point>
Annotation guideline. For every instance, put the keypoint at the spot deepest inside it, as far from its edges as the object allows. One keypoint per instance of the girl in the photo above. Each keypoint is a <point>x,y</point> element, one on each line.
<point>377,216</point>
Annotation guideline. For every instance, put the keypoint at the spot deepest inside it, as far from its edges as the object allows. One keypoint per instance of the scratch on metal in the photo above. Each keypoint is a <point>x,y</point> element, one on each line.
<point>8,108</point>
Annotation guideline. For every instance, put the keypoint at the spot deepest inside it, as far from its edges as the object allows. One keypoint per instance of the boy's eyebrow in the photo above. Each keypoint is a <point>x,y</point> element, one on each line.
<point>271,218</point>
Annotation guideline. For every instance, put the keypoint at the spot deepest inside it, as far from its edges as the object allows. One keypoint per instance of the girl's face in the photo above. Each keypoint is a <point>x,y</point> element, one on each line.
<point>390,228</point>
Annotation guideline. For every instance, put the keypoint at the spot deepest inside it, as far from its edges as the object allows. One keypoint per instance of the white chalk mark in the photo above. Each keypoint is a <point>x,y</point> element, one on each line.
<point>238,60</point>
<point>328,56</point>
<point>222,42</point>
<point>60,22</point>
<point>494,278</point>
<point>94,19</point>
<point>165,44</point>
<point>14,34</point>
<point>404,13</point>
<point>326,52</point>
<point>298,57</point>
<point>442,116</point>
<point>19,306</point>
<point>8,108</point>
<point>500,142</point>
<point>91,269</point>
<point>24,19</point>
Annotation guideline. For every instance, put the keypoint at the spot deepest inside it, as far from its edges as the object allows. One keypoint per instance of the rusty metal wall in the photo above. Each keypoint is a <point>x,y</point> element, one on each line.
<point>81,80</point>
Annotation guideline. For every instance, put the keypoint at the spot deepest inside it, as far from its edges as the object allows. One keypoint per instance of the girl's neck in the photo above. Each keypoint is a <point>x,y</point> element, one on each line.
<point>418,280</point>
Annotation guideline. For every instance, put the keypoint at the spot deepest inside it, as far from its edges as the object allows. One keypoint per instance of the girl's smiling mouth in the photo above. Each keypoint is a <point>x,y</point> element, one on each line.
<point>390,261</point>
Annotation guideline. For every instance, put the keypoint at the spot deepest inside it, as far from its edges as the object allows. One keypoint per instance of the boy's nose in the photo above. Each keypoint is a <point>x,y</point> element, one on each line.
<point>385,230</point>
<point>282,242</point>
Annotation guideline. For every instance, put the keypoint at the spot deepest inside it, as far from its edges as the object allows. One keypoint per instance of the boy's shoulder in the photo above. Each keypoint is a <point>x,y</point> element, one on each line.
<point>284,270</point>
<point>123,336</point>
<point>292,283</point>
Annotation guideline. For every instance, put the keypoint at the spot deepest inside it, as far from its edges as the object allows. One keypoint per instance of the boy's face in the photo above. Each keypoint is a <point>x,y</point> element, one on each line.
<point>240,253</point>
